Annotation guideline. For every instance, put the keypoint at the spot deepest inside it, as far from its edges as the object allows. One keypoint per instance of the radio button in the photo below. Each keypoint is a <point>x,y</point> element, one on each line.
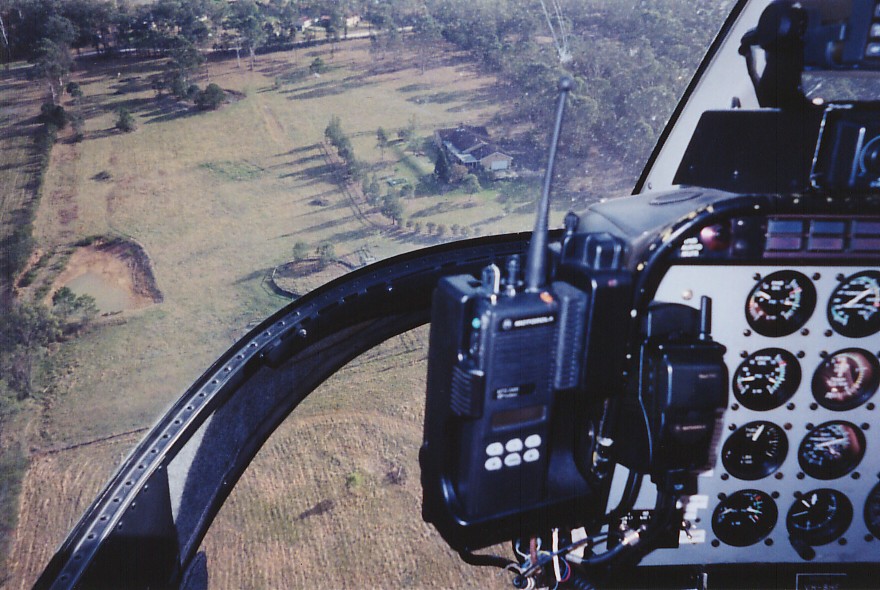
<point>513,459</point>
<point>531,455</point>
<point>533,441</point>
<point>493,464</point>
<point>495,449</point>
<point>514,445</point>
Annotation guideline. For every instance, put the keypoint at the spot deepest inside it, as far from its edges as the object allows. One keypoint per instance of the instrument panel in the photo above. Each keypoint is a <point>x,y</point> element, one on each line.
<point>797,470</point>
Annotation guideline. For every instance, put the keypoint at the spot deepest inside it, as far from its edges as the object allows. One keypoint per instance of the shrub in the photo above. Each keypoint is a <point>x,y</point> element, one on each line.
<point>318,66</point>
<point>53,114</point>
<point>125,121</point>
<point>210,98</point>
<point>300,251</point>
<point>326,254</point>
<point>472,184</point>
<point>74,90</point>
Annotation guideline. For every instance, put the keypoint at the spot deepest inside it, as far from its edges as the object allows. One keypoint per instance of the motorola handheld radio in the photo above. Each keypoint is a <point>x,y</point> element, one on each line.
<point>504,367</point>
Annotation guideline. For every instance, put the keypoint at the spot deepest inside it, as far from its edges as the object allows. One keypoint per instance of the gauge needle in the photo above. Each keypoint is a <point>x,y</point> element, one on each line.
<point>749,378</point>
<point>757,434</point>
<point>852,302</point>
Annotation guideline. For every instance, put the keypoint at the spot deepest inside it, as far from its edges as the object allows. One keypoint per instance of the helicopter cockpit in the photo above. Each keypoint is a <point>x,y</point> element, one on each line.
<point>677,389</point>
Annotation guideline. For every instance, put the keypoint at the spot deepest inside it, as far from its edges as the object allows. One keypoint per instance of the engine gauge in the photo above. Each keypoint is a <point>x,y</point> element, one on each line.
<point>744,517</point>
<point>872,511</point>
<point>780,303</point>
<point>820,516</point>
<point>755,450</point>
<point>846,379</point>
<point>831,450</point>
<point>854,306</point>
<point>767,379</point>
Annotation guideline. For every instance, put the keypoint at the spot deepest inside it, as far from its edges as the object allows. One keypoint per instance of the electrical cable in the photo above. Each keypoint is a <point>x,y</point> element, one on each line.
<point>628,498</point>
<point>485,560</point>
<point>555,548</point>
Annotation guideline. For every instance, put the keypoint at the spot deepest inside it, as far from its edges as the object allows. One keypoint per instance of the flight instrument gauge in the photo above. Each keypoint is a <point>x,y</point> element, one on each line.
<point>766,379</point>
<point>872,511</point>
<point>744,517</point>
<point>820,516</point>
<point>831,450</point>
<point>755,450</point>
<point>846,379</point>
<point>854,306</point>
<point>780,303</point>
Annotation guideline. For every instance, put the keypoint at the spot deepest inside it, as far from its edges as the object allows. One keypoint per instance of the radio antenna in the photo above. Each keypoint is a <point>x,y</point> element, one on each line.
<point>536,268</point>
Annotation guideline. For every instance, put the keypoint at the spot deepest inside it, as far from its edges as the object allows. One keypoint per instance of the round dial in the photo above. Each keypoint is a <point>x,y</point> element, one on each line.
<point>754,450</point>
<point>766,379</point>
<point>831,450</point>
<point>872,511</point>
<point>744,517</point>
<point>846,379</point>
<point>854,306</point>
<point>820,516</point>
<point>780,303</point>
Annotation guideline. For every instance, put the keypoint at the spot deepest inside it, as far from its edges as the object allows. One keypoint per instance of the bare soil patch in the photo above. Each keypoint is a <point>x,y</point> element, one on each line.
<point>116,272</point>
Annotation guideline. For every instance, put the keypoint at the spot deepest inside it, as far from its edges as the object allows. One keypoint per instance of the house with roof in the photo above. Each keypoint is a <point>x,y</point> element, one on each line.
<point>469,145</point>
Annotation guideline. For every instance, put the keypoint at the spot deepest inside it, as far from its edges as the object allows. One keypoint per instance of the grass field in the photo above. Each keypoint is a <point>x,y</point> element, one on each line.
<point>19,172</point>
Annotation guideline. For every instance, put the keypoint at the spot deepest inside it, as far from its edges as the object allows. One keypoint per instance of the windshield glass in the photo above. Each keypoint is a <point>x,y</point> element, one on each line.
<point>174,171</point>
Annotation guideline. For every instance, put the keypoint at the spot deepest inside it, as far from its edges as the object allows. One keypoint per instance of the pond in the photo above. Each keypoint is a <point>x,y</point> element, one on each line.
<point>109,296</point>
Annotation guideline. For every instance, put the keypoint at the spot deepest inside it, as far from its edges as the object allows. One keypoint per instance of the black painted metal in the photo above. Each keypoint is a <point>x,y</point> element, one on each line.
<point>144,529</point>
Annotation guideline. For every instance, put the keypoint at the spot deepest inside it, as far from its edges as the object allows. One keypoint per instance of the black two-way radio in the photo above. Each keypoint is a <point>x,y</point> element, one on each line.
<point>503,372</point>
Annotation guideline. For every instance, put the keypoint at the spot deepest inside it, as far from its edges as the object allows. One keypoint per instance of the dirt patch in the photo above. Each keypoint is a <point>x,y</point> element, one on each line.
<point>116,272</point>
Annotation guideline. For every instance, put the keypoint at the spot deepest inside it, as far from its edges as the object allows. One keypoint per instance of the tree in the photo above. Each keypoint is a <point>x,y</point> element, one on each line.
<point>53,114</point>
<point>74,311</point>
<point>210,98</point>
<point>427,34</point>
<point>74,90</point>
<point>185,61</point>
<point>125,121</point>
<point>25,332</point>
<point>51,63</point>
<point>317,66</point>
<point>381,141</point>
<point>373,191</point>
<point>300,251</point>
<point>392,208</point>
<point>441,167</point>
<point>326,254</point>
<point>249,21</point>
<point>333,131</point>
<point>472,184</point>
<point>457,172</point>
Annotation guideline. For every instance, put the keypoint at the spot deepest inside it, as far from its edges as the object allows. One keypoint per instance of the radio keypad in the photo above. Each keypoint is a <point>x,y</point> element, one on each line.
<point>495,449</point>
<point>510,452</point>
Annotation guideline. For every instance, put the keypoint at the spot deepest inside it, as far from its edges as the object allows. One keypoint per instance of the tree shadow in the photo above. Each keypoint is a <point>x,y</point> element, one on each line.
<point>362,233</point>
<point>298,150</point>
<point>180,113</point>
<point>315,172</point>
